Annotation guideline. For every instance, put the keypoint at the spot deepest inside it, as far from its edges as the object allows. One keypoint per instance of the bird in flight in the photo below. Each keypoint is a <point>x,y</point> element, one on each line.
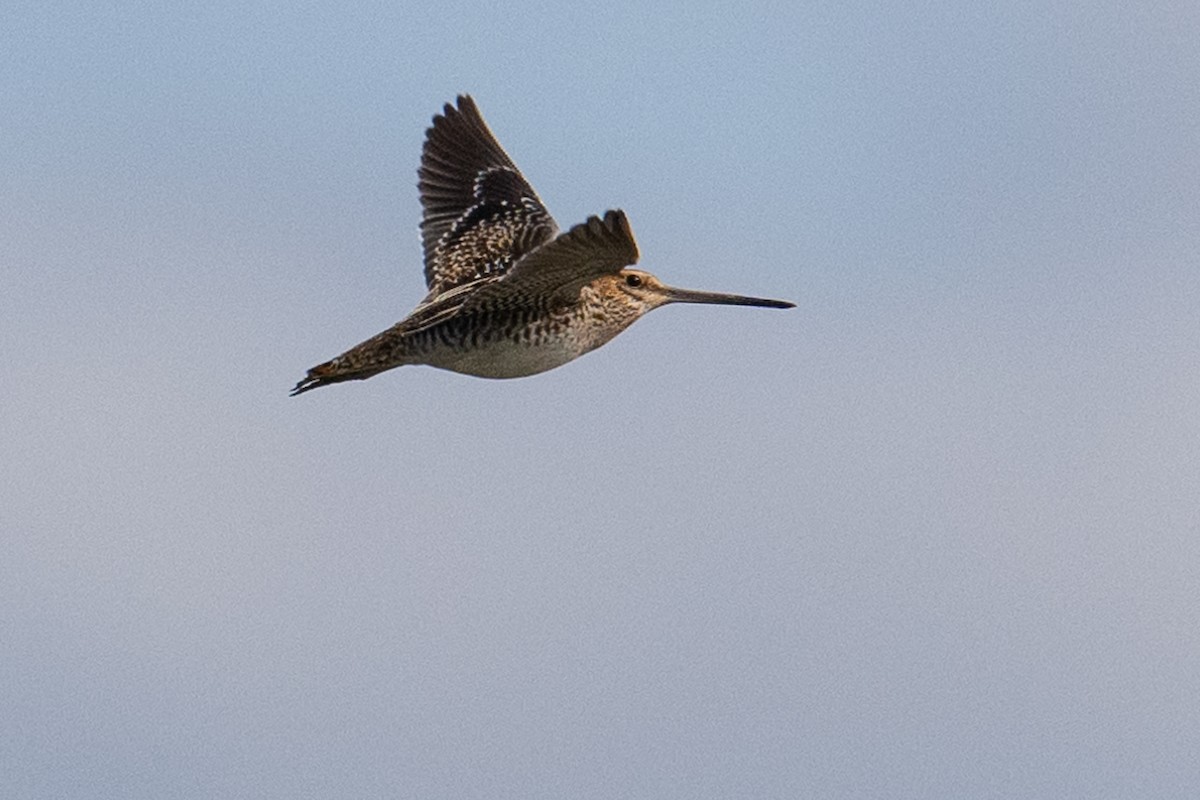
<point>509,296</point>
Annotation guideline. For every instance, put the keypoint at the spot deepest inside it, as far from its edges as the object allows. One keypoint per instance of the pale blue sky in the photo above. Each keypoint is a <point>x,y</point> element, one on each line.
<point>934,533</point>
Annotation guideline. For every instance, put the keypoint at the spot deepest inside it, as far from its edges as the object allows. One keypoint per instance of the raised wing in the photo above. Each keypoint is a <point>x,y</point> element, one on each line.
<point>480,214</point>
<point>556,271</point>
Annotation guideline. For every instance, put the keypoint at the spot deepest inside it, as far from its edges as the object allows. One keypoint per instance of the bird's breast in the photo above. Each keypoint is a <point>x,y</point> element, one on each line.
<point>521,344</point>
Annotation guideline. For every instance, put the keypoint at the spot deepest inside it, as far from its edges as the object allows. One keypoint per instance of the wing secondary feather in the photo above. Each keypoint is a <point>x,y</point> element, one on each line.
<point>558,270</point>
<point>480,214</point>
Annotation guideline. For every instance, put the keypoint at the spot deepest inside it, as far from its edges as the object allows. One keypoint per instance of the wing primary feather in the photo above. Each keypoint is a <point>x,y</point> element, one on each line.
<point>480,213</point>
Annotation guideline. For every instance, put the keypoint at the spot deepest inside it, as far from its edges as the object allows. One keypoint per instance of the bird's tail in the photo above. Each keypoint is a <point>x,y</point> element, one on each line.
<point>327,373</point>
<point>377,354</point>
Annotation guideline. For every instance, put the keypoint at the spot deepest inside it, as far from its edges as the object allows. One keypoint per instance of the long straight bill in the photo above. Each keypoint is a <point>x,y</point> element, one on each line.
<point>721,299</point>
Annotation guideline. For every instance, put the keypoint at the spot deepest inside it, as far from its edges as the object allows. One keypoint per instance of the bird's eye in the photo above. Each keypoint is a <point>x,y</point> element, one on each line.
<point>633,280</point>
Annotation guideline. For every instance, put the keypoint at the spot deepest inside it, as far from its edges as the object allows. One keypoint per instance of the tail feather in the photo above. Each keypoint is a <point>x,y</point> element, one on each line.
<point>330,372</point>
<point>381,352</point>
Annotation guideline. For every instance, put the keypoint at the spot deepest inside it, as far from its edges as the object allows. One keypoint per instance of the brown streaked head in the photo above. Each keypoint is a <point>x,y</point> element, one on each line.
<point>649,292</point>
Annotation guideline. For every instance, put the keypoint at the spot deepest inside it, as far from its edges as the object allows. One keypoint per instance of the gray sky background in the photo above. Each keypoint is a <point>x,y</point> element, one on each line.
<point>935,533</point>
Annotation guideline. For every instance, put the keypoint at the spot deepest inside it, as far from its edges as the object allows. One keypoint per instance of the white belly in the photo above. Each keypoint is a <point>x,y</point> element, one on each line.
<point>509,359</point>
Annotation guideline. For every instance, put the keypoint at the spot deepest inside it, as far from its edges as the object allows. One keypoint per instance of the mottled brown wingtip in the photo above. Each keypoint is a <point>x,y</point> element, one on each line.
<point>463,104</point>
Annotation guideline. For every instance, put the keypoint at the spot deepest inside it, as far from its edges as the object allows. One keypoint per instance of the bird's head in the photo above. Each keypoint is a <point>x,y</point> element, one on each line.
<point>646,292</point>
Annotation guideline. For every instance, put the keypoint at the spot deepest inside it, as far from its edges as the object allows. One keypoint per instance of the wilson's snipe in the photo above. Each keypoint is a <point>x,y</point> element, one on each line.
<point>507,296</point>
